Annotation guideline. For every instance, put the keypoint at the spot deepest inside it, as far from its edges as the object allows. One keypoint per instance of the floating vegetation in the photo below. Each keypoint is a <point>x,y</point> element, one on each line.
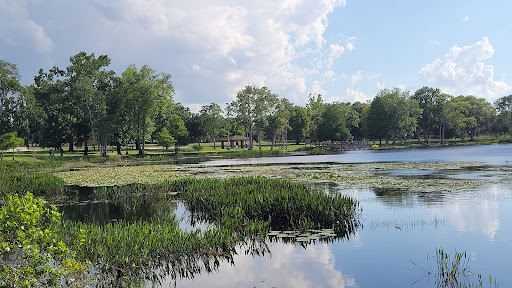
<point>363,175</point>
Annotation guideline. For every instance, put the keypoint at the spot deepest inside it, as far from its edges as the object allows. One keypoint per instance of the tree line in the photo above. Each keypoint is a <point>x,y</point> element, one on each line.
<point>88,103</point>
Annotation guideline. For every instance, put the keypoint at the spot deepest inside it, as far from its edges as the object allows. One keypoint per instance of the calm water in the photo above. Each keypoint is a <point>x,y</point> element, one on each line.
<point>398,227</point>
<point>490,154</point>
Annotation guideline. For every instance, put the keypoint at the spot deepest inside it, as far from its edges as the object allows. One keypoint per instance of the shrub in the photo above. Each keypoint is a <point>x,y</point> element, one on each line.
<point>30,244</point>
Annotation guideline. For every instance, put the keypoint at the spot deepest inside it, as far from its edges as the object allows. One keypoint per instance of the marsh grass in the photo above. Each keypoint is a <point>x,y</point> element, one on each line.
<point>250,203</point>
<point>37,184</point>
<point>453,271</point>
<point>242,211</point>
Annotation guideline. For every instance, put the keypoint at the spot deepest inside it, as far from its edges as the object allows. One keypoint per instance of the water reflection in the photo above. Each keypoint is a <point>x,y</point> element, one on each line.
<point>287,266</point>
<point>80,204</point>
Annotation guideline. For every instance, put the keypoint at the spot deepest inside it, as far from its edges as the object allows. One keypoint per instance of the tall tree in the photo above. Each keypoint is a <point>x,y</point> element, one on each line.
<point>315,108</point>
<point>50,92</point>
<point>251,106</point>
<point>299,123</point>
<point>334,124</point>
<point>356,127</point>
<point>483,113</point>
<point>457,116</point>
<point>377,121</point>
<point>9,83</point>
<point>504,107</point>
<point>178,131</point>
<point>144,90</point>
<point>278,122</point>
<point>88,89</point>
<point>429,100</point>
<point>211,121</point>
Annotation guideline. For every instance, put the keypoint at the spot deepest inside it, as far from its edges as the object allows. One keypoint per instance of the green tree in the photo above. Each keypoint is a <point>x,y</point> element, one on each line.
<point>315,108</point>
<point>278,122</point>
<point>88,83</point>
<point>251,106</point>
<point>457,116</point>
<point>165,139</point>
<point>431,101</point>
<point>9,83</point>
<point>9,141</point>
<point>483,112</point>
<point>211,121</point>
<point>299,123</point>
<point>504,107</point>
<point>402,112</point>
<point>59,111</point>
<point>378,124</point>
<point>334,123</point>
<point>145,90</point>
<point>178,131</point>
<point>355,120</point>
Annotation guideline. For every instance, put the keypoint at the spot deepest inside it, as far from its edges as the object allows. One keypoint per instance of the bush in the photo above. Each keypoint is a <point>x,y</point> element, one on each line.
<point>33,252</point>
<point>374,147</point>
<point>197,147</point>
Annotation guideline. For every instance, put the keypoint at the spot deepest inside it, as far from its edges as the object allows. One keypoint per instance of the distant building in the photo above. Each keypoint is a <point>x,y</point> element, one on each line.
<point>235,141</point>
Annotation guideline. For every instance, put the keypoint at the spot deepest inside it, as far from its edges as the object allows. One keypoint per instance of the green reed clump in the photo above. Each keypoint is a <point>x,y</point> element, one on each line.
<point>37,184</point>
<point>453,271</point>
<point>250,201</point>
<point>251,205</point>
<point>125,251</point>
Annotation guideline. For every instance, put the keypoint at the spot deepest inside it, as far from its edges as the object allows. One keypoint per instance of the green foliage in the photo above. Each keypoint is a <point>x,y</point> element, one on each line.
<point>31,244</point>
<point>374,147</point>
<point>251,106</point>
<point>178,130</point>
<point>334,124</point>
<point>299,123</point>
<point>35,183</point>
<point>283,203</point>
<point>197,148</point>
<point>165,139</point>
<point>9,141</point>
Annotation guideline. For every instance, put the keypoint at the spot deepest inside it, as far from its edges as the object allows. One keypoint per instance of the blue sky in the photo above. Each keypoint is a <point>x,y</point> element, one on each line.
<point>346,50</point>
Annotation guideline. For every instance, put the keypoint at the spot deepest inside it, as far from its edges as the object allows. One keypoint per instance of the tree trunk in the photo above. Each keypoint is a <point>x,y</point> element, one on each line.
<point>118,148</point>
<point>297,140</point>
<point>86,147</point>
<point>137,144</point>
<point>273,141</point>
<point>250,137</point>
<point>214,146</point>
<point>71,148</point>
<point>259,141</point>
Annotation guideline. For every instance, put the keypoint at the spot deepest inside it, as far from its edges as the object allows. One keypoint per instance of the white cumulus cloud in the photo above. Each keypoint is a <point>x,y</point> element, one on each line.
<point>239,43</point>
<point>463,71</point>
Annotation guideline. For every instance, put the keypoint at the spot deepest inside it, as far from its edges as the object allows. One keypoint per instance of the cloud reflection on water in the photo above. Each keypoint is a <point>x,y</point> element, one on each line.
<point>288,266</point>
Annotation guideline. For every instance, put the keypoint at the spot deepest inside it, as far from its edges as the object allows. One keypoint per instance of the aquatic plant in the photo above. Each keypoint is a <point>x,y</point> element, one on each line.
<point>38,184</point>
<point>453,271</point>
<point>286,205</point>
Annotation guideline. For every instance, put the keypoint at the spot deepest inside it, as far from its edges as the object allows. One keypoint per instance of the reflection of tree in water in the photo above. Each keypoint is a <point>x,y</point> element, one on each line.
<point>82,205</point>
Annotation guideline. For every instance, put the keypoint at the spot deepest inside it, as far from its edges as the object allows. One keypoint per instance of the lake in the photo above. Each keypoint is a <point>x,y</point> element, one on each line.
<point>396,245</point>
